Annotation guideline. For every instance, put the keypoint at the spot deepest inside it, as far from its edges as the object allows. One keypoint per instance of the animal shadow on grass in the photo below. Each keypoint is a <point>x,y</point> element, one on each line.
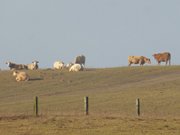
<point>35,79</point>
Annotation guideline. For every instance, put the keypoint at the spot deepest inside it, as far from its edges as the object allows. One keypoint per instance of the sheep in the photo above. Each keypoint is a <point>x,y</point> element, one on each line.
<point>33,65</point>
<point>58,65</point>
<point>76,68</point>
<point>21,76</point>
<point>14,66</point>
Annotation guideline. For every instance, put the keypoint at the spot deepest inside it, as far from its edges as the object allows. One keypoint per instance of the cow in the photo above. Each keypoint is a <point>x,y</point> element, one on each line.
<point>69,65</point>
<point>80,60</point>
<point>21,76</point>
<point>58,65</point>
<point>33,65</point>
<point>163,57</point>
<point>14,66</point>
<point>76,68</point>
<point>138,60</point>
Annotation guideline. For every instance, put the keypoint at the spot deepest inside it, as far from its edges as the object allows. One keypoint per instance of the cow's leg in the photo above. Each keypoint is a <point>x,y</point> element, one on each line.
<point>140,63</point>
<point>169,62</point>
<point>17,79</point>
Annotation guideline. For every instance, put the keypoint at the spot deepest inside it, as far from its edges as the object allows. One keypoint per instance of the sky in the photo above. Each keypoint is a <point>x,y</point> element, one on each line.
<point>105,31</point>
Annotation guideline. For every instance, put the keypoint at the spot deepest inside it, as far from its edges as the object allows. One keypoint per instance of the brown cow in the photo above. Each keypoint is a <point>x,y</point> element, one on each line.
<point>138,60</point>
<point>163,57</point>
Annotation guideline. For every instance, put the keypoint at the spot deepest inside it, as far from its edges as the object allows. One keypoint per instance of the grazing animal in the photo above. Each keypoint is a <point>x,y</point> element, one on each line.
<point>14,66</point>
<point>138,60</point>
<point>76,68</point>
<point>69,65</point>
<point>80,60</point>
<point>33,65</point>
<point>58,65</point>
<point>21,76</point>
<point>163,57</point>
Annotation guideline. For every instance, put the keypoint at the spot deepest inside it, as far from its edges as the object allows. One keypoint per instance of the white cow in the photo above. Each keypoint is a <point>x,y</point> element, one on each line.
<point>76,68</point>
<point>58,65</point>
<point>69,65</point>
<point>21,76</point>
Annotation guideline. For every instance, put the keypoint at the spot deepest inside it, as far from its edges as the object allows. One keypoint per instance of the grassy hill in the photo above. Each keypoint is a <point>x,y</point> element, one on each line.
<point>112,93</point>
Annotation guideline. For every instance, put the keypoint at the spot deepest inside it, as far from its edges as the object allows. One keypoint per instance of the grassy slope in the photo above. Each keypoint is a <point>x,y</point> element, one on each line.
<point>112,94</point>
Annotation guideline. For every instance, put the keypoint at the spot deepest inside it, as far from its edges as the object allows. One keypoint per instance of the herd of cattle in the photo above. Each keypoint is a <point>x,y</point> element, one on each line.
<point>79,64</point>
<point>159,57</point>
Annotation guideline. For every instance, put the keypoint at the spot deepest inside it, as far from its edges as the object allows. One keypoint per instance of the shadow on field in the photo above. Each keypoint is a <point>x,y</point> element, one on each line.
<point>36,79</point>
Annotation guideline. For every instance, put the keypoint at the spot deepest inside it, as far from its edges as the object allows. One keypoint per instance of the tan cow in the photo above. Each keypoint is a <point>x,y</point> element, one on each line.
<point>33,65</point>
<point>21,76</point>
<point>138,60</point>
<point>163,57</point>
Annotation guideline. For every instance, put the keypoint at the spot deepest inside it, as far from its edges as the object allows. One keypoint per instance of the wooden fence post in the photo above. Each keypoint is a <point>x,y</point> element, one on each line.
<point>86,105</point>
<point>36,109</point>
<point>138,107</point>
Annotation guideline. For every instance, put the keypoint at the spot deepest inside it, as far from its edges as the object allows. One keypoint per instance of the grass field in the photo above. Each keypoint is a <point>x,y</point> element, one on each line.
<point>112,93</point>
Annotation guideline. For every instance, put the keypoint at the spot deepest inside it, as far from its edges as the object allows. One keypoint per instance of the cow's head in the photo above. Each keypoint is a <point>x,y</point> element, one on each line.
<point>155,55</point>
<point>69,65</point>
<point>15,73</point>
<point>147,60</point>
<point>35,62</point>
<point>8,63</point>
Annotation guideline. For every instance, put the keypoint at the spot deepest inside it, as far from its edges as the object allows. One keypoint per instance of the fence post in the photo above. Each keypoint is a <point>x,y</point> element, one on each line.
<point>86,105</point>
<point>138,107</point>
<point>36,109</point>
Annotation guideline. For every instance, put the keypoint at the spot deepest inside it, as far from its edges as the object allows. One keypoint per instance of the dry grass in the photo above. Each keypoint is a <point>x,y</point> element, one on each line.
<point>112,93</point>
<point>87,125</point>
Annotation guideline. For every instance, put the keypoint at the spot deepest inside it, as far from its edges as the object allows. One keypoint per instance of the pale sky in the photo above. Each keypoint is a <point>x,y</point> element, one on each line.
<point>105,31</point>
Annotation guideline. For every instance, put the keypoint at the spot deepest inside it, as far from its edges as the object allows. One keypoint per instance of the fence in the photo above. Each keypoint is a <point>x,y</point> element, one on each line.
<point>41,108</point>
<point>86,106</point>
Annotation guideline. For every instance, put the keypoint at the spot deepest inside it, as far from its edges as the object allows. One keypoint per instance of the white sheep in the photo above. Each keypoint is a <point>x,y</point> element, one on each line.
<point>76,68</point>
<point>21,76</point>
<point>58,65</point>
